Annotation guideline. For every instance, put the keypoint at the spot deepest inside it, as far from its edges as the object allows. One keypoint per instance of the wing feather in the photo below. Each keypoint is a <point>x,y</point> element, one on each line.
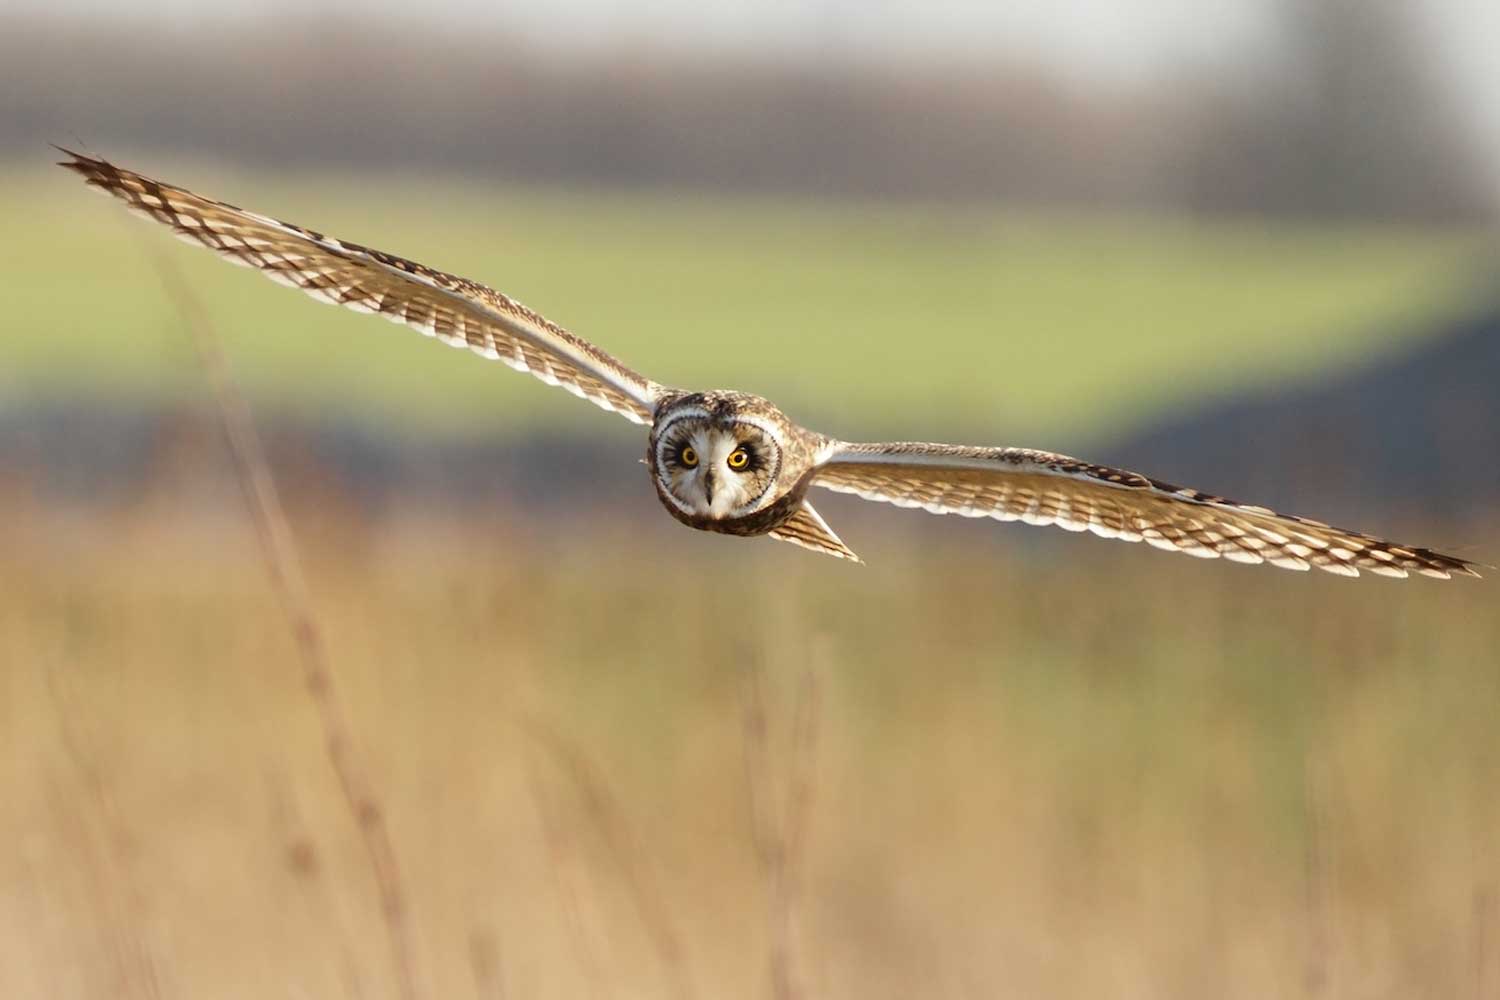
<point>451,309</point>
<point>808,529</point>
<point>1037,487</point>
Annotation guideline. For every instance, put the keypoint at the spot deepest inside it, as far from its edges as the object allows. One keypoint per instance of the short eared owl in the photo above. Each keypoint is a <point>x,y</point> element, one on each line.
<point>734,463</point>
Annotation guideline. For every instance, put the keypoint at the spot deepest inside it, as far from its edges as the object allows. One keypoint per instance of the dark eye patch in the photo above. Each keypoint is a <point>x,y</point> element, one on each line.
<point>756,460</point>
<point>671,455</point>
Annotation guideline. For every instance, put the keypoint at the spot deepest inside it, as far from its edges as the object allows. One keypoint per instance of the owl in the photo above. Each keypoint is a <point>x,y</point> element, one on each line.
<point>734,463</point>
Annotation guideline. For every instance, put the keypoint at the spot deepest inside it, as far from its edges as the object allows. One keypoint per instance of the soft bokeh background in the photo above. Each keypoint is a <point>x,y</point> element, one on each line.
<point>1247,247</point>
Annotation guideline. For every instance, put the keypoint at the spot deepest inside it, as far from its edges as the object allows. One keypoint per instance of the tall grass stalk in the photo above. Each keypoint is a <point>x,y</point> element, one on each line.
<point>279,548</point>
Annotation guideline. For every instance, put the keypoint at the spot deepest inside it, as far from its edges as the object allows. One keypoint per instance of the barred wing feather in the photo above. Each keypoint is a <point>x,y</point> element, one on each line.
<point>1037,487</point>
<point>455,310</point>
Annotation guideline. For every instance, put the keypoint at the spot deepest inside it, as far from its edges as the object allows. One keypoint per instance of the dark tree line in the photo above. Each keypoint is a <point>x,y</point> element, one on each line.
<point>1347,124</point>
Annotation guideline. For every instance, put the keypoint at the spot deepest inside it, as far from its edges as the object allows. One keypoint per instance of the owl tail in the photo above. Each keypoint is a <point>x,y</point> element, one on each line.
<point>808,529</point>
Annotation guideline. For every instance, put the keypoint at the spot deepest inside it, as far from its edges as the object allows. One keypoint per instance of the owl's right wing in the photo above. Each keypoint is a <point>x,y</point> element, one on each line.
<point>455,310</point>
<point>1038,487</point>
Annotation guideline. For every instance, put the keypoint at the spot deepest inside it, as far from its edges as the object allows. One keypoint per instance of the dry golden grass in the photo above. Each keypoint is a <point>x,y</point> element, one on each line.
<point>641,762</point>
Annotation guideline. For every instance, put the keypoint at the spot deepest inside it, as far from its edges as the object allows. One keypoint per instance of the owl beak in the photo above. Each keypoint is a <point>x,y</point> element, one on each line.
<point>708,486</point>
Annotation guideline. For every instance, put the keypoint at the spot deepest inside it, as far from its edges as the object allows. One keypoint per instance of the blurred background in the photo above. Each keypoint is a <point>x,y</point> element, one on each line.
<point>1248,247</point>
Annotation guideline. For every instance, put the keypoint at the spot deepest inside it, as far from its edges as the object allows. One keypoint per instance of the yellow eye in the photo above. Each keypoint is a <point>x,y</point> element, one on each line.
<point>688,457</point>
<point>739,458</point>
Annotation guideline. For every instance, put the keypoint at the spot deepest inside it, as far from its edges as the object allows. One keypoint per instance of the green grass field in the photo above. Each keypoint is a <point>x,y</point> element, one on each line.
<point>874,320</point>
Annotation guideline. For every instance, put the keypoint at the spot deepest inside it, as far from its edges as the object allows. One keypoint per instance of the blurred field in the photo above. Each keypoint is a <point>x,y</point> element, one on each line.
<point>1106,772</point>
<point>1045,325</point>
<point>1062,769</point>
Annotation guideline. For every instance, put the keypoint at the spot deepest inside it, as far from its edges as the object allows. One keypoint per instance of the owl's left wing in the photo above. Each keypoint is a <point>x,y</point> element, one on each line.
<point>455,310</point>
<point>1037,487</point>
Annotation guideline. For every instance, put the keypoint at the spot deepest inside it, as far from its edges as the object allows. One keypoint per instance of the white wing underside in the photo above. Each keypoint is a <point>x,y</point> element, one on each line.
<point>1041,488</point>
<point>455,310</point>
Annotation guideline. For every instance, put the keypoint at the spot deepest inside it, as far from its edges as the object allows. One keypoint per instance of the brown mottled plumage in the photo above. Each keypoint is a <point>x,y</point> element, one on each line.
<point>734,463</point>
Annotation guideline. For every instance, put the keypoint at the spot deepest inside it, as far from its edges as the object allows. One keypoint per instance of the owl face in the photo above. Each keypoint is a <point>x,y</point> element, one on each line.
<point>717,466</point>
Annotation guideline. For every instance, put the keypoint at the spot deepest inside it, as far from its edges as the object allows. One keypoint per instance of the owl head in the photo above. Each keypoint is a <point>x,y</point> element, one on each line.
<point>718,456</point>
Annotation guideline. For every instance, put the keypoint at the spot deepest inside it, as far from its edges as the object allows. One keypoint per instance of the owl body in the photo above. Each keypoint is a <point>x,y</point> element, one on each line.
<point>733,463</point>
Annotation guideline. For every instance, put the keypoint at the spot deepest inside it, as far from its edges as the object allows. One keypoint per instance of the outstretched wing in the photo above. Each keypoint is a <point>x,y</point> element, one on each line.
<point>1037,487</point>
<point>455,310</point>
